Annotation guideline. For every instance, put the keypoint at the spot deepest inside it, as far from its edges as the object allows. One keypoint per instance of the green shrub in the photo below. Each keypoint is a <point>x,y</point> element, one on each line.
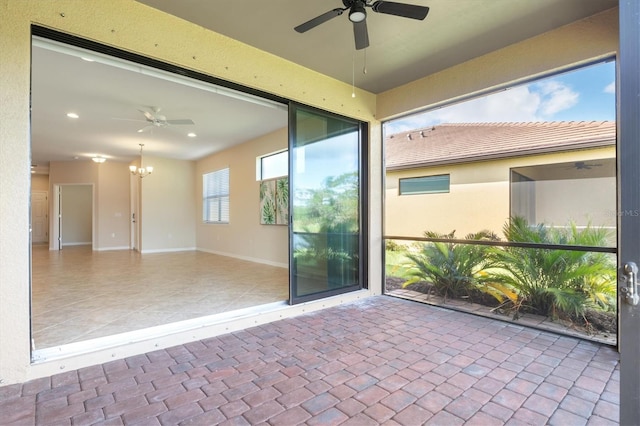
<point>555,283</point>
<point>452,269</point>
<point>391,245</point>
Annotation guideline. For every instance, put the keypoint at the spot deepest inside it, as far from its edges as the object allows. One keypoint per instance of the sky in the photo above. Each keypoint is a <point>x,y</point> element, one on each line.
<point>586,94</point>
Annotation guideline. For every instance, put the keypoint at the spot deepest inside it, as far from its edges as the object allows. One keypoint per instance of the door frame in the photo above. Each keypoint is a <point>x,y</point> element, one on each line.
<point>134,214</point>
<point>628,156</point>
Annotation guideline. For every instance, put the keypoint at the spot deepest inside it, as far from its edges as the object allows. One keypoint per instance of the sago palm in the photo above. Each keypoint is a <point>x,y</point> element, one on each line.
<point>453,269</point>
<point>554,282</point>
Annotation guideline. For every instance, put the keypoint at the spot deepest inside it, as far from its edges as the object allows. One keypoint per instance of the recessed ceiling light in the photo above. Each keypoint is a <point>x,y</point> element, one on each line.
<point>98,159</point>
<point>72,115</point>
<point>191,135</point>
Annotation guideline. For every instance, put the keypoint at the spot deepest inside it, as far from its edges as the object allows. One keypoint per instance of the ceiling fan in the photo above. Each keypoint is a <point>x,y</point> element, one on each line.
<point>358,15</point>
<point>583,165</point>
<point>155,119</point>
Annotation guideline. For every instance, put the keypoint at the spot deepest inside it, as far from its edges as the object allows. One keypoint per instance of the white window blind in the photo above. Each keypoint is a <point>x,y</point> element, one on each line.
<point>215,196</point>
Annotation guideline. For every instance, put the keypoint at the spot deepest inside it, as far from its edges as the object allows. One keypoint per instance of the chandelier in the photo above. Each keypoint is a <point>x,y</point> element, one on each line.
<point>141,171</point>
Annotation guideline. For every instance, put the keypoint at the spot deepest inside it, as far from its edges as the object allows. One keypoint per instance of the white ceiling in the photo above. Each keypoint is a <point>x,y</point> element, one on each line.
<point>108,97</point>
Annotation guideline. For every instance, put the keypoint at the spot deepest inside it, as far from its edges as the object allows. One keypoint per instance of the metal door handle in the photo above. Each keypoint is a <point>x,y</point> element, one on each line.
<point>629,279</point>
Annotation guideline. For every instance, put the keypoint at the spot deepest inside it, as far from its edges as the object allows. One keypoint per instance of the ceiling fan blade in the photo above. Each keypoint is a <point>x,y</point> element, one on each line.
<point>302,28</point>
<point>129,119</point>
<point>180,121</point>
<point>361,34</point>
<point>400,9</point>
<point>147,114</point>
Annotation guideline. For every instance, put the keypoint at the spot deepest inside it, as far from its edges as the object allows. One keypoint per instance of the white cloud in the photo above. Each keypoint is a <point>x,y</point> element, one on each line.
<point>556,97</point>
<point>533,102</point>
<point>610,88</point>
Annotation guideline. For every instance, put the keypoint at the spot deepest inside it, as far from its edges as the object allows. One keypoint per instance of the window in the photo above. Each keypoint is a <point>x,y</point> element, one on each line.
<point>273,165</point>
<point>424,185</point>
<point>215,196</point>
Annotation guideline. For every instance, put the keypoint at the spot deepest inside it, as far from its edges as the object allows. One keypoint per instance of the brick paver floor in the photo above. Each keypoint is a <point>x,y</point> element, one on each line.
<point>377,361</point>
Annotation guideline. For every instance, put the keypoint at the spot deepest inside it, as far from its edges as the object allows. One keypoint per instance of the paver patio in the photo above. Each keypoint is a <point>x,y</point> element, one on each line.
<point>381,360</point>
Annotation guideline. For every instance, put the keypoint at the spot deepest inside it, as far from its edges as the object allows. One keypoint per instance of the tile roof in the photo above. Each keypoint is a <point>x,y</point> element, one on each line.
<point>468,142</point>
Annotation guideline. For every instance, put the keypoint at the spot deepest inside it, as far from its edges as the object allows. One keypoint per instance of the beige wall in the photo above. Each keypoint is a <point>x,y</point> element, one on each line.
<point>243,236</point>
<point>168,206</point>
<point>111,199</point>
<point>112,207</point>
<point>137,28</point>
<point>479,197</point>
<point>39,182</point>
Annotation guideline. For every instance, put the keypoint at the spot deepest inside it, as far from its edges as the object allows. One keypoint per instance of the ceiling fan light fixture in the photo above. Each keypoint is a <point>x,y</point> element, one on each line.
<point>357,12</point>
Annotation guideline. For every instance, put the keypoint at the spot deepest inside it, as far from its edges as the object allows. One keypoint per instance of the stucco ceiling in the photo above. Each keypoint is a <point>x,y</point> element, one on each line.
<point>401,50</point>
<point>108,97</point>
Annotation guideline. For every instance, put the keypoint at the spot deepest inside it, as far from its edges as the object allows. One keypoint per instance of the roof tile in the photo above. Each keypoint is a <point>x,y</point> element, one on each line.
<point>467,142</point>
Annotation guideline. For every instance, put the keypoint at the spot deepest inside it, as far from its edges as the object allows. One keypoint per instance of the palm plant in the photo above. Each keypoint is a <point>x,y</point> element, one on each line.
<point>453,269</point>
<point>555,282</point>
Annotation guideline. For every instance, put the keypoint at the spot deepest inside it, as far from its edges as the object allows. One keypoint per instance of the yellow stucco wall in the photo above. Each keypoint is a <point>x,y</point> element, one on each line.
<point>479,196</point>
<point>140,29</point>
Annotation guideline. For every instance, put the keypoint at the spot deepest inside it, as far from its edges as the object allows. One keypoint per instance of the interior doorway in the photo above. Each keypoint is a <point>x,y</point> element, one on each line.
<point>73,216</point>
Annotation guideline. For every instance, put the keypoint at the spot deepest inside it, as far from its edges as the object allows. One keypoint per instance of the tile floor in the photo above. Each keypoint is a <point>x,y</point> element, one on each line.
<point>381,360</point>
<point>80,294</point>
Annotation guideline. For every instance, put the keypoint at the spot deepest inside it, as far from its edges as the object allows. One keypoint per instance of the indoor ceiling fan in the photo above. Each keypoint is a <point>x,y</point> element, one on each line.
<point>358,16</point>
<point>155,119</point>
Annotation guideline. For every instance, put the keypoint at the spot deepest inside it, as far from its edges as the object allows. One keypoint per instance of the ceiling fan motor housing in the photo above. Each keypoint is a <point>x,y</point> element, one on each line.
<point>357,12</point>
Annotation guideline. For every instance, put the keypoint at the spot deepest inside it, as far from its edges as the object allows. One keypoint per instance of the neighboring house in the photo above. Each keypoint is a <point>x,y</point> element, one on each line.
<point>470,177</point>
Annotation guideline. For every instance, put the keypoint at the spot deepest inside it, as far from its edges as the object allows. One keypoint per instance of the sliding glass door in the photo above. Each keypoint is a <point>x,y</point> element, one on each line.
<point>326,227</point>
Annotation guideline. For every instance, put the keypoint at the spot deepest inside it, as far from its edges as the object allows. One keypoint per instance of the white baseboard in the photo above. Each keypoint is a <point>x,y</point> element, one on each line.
<point>113,248</point>
<point>248,258</point>
<point>76,244</point>
<point>169,250</point>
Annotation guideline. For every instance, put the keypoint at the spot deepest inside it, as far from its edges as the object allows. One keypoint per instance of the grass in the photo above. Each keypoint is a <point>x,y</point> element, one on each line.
<point>394,261</point>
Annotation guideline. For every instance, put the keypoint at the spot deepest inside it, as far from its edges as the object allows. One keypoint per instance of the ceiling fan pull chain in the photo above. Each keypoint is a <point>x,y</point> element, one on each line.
<point>353,75</point>
<point>364,68</point>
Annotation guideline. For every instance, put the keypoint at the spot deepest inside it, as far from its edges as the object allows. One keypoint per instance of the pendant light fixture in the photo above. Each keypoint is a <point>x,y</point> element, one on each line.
<point>141,171</point>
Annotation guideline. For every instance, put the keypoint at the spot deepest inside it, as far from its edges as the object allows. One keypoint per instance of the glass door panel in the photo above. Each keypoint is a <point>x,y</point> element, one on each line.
<point>325,227</point>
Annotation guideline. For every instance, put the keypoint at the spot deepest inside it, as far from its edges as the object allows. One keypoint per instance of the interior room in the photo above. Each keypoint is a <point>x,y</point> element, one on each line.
<point>128,251</point>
